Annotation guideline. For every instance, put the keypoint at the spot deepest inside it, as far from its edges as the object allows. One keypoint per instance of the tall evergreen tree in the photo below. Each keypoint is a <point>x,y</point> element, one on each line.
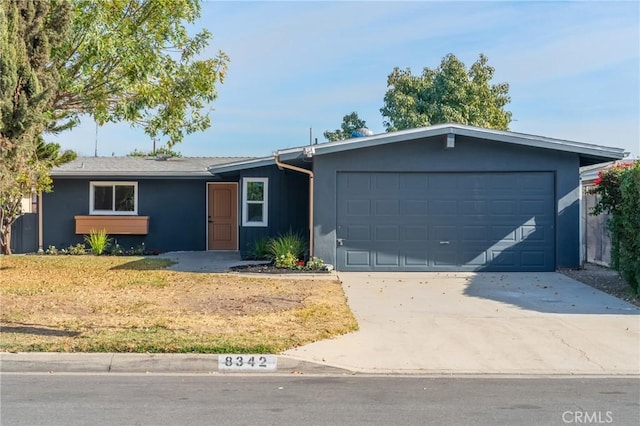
<point>29,29</point>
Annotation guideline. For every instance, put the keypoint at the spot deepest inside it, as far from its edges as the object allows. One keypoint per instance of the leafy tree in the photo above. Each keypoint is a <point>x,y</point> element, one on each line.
<point>159,151</point>
<point>619,195</point>
<point>449,93</point>
<point>29,29</point>
<point>128,60</point>
<point>350,123</point>
<point>134,61</point>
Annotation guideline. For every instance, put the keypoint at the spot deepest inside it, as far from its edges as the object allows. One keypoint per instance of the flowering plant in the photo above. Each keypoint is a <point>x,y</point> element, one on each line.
<point>619,195</point>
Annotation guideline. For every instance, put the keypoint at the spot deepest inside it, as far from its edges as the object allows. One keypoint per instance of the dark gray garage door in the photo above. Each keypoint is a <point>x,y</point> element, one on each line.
<point>445,221</point>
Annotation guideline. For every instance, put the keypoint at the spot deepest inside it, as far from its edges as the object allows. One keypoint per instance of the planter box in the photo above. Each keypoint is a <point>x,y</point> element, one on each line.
<point>113,225</point>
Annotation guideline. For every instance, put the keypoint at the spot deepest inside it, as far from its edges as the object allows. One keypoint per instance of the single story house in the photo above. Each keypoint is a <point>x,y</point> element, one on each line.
<point>447,197</point>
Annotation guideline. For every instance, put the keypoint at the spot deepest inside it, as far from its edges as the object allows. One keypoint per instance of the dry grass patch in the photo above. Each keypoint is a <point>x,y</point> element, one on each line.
<point>124,304</point>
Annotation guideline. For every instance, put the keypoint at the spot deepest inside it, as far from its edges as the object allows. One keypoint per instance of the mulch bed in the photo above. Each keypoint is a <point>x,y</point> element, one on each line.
<point>604,279</point>
<point>269,268</point>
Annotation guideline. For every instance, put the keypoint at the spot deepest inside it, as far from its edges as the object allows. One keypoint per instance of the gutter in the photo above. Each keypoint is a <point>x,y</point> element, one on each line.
<point>276,158</point>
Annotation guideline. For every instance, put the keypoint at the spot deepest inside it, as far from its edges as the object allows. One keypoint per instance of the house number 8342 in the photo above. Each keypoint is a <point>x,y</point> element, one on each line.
<point>245,362</point>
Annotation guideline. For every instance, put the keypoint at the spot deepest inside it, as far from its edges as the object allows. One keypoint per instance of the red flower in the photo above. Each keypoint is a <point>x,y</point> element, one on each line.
<point>597,181</point>
<point>300,263</point>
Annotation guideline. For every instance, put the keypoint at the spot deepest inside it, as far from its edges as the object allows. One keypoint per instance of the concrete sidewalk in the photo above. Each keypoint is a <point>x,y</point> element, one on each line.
<point>206,261</point>
<point>488,323</point>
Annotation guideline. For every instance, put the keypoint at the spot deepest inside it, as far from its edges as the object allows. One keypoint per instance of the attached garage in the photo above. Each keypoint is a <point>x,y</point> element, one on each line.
<point>402,221</point>
<point>447,197</point>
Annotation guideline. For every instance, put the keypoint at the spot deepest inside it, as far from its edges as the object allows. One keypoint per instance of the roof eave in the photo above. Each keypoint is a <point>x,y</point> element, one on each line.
<point>241,165</point>
<point>131,175</point>
<point>590,153</point>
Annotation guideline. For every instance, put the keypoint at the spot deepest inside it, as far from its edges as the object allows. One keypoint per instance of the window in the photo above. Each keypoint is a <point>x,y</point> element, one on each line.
<point>113,198</point>
<point>254,201</point>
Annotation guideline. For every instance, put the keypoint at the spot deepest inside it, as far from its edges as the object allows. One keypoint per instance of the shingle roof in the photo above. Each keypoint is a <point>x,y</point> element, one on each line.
<point>141,166</point>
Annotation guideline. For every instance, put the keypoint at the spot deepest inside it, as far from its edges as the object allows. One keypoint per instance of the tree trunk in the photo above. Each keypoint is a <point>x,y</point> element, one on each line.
<point>5,241</point>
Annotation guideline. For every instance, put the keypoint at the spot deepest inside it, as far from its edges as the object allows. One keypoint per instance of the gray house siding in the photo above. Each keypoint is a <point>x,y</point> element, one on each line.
<point>176,210</point>
<point>469,156</point>
<point>288,207</point>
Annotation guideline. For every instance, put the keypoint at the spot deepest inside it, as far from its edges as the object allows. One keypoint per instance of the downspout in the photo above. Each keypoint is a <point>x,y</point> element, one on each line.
<point>40,221</point>
<point>276,158</point>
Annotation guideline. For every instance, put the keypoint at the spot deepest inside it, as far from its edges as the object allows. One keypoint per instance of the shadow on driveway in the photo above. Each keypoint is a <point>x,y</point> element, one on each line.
<point>548,292</point>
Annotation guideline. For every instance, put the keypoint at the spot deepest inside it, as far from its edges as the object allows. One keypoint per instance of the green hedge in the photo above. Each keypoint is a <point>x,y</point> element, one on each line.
<point>619,190</point>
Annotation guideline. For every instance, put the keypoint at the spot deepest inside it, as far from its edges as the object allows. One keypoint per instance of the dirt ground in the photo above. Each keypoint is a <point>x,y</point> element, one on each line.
<point>123,304</point>
<point>603,279</point>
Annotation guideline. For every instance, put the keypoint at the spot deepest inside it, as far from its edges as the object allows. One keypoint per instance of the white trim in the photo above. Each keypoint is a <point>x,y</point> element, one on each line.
<point>601,152</point>
<point>265,202</point>
<point>206,223</point>
<point>112,184</point>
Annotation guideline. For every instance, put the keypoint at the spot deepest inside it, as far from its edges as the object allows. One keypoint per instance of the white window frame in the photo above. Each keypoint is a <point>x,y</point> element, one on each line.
<point>113,184</point>
<point>265,202</point>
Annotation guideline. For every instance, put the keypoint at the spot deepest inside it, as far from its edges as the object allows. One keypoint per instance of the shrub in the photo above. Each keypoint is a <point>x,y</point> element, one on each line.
<point>116,250</point>
<point>260,249</point>
<point>77,249</point>
<point>619,191</point>
<point>315,264</point>
<point>98,241</point>
<point>52,250</point>
<point>137,250</point>
<point>285,244</point>
<point>287,261</point>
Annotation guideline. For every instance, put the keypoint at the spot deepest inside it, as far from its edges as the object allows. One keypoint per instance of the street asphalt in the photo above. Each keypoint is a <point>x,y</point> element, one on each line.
<point>424,323</point>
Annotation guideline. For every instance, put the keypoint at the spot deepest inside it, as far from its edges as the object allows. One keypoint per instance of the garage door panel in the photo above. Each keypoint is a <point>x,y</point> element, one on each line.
<point>416,258</point>
<point>444,257</point>
<point>419,233</point>
<point>357,183</point>
<point>473,207</point>
<point>386,208</point>
<point>358,208</point>
<point>533,258</point>
<point>532,233</point>
<point>475,258</point>
<point>446,221</point>
<point>387,233</point>
<point>533,207</point>
<point>442,181</point>
<point>357,258</point>
<point>387,258</point>
<point>474,233</point>
<point>386,182</point>
<point>443,207</point>
<point>413,208</point>
<point>503,207</point>
<point>358,232</point>
<point>504,233</point>
<point>416,182</point>
<point>444,233</point>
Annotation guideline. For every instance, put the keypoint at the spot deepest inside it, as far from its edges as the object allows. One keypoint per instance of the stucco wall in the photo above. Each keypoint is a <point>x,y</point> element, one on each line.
<point>469,155</point>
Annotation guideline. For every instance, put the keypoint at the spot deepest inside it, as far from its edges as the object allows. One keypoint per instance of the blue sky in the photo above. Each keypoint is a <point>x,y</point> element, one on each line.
<point>573,69</point>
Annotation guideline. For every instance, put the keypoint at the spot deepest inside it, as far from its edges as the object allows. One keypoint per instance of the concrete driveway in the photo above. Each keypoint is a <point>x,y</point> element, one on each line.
<point>486,323</point>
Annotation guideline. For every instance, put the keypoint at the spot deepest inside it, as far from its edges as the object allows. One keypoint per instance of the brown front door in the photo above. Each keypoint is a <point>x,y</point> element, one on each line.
<point>222,211</point>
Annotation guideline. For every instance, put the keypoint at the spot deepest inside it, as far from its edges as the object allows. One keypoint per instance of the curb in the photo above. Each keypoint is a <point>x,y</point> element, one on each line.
<point>52,362</point>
